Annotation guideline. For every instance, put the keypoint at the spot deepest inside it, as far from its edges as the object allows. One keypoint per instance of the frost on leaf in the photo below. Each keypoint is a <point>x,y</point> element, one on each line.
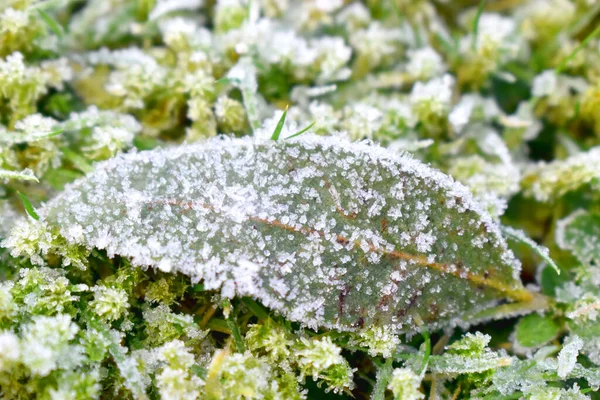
<point>580,234</point>
<point>330,233</point>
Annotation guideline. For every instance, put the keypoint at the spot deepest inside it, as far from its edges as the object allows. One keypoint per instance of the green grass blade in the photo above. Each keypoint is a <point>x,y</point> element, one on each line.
<point>279,127</point>
<point>255,308</point>
<point>79,161</point>
<point>28,207</point>
<point>476,24</point>
<point>52,23</point>
<point>565,61</point>
<point>300,132</point>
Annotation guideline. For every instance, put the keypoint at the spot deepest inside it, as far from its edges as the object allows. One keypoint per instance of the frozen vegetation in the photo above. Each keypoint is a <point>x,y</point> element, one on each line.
<point>318,199</point>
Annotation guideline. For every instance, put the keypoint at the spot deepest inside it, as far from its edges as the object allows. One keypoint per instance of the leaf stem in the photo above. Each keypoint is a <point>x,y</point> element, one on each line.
<point>235,332</point>
<point>427,353</point>
<point>384,374</point>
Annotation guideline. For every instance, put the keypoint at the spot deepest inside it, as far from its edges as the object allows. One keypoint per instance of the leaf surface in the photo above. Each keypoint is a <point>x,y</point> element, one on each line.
<point>329,233</point>
<point>580,234</point>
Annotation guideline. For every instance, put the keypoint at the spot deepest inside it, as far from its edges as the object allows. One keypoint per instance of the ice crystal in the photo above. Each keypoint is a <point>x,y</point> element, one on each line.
<point>176,381</point>
<point>425,64</point>
<point>378,341</point>
<point>109,303</point>
<point>568,356</point>
<point>322,360</point>
<point>45,344</point>
<point>405,385</point>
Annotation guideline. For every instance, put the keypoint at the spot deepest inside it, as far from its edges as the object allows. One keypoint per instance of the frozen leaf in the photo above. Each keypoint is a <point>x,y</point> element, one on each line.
<point>567,358</point>
<point>26,175</point>
<point>330,233</point>
<point>468,355</point>
<point>580,234</point>
<point>457,364</point>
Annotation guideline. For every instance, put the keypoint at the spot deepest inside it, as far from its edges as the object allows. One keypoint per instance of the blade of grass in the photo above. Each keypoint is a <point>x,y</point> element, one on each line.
<point>51,134</point>
<point>79,161</point>
<point>28,207</point>
<point>565,61</point>
<point>279,127</point>
<point>476,24</point>
<point>52,23</point>
<point>235,333</point>
<point>198,288</point>
<point>300,132</point>
<point>256,308</point>
<point>218,325</point>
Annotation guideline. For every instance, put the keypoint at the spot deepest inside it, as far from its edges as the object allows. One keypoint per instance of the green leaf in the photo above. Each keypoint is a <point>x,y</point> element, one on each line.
<point>327,232</point>
<point>579,233</point>
<point>427,354</point>
<point>535,330</point>
<point>279,126</point>
<point>28,207</point>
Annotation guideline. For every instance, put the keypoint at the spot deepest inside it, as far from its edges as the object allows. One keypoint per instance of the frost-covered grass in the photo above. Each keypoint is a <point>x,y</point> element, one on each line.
<point>318,199</point>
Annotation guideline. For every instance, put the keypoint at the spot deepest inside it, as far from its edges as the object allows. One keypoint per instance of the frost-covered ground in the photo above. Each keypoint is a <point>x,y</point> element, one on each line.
<point>318,199</point>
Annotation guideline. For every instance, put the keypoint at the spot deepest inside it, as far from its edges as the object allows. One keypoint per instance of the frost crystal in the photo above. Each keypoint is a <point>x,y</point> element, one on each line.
<point>425,64</point>
<point>568,356</point>
<point>46,344</point>
<point>405,385</point>
<point>328,232</point>
<point>109,303</point>
<point>9,350</point>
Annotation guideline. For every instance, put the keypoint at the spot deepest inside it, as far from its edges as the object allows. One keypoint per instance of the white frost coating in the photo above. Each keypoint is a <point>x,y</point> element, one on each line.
<point>163,7</point>
<point>547,181</point>
<point>544,84</point>
<point>310,227</point>
<point>579,233</point>
<point>567,358</point>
